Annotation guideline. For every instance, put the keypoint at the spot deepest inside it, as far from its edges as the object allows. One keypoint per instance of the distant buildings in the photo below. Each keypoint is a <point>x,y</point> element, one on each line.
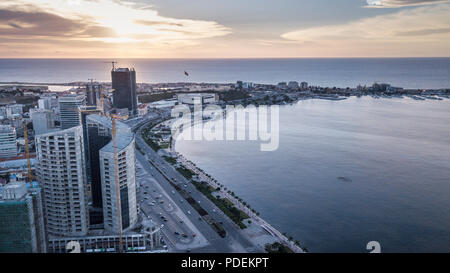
<point>244,85</point>
<point>43,121</point>
<point>282,86</point>
<point>11,111</point>
<point>124,90</point>
<point>48,102</point>
<point>93,93</point>
<point>68,106</point>
<point>22,227</point>
<point>62,176</point>
<point>303,85</point>
<point>8,141</point>
<point>205,98</point>
<point>143,109</point>
<point>14,109</point>
<point>293,85</point>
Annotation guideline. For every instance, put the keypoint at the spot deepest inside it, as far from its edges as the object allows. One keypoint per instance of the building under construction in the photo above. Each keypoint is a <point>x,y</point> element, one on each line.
<point>22,227</point>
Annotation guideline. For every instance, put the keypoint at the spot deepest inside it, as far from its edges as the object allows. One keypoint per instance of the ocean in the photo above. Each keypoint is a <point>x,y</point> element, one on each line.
<point>346,173</point>
<point>401,72</point>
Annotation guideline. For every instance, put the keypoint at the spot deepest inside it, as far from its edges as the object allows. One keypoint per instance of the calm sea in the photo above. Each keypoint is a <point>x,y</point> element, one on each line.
<point>346,173</point>
<point>404,72</point>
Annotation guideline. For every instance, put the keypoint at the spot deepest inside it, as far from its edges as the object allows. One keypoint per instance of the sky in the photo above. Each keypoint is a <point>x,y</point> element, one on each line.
<point>224,28</point>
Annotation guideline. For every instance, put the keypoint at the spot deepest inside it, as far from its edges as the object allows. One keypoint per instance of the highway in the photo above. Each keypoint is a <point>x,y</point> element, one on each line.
<point>154,180</point>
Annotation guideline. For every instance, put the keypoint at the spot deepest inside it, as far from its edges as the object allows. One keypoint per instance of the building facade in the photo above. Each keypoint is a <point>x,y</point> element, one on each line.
<point>43,121</point>
<point>8,141</point>
<point>93,93</point>
<point>127,182</point>
<point>98,136</point>
<point>61,174</point>
<point>22,227</point>
<point>102,168</point>
<point>69,113</point>
<point>124,90</point>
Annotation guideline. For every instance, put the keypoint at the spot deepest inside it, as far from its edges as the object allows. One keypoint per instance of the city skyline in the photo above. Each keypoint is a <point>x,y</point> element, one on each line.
<point>254,29</point>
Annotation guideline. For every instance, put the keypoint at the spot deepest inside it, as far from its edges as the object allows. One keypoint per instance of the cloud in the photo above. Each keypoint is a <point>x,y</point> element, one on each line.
<point>422,31</point>
<point>430,21</point>
<point>104,21</point>
<point>401,3</point>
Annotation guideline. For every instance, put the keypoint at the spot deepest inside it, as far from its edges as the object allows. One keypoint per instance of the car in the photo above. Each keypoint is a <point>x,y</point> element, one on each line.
<point>193,235</point>
<point>188,250</point>
<point>184,235</point>
<point>176,233</point>
<point>189,212</point>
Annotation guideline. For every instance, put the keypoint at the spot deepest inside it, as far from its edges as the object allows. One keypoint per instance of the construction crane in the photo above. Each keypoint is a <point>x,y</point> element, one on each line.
<point>116,175</point>
<point>27,151</point>
<point>113,64</point>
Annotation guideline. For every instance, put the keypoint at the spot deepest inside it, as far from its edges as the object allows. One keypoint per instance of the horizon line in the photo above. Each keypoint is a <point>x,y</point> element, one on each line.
<point>213,58</point>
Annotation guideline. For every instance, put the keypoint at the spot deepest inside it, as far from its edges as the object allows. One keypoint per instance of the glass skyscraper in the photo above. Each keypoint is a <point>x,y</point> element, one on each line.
<point>124,86</point>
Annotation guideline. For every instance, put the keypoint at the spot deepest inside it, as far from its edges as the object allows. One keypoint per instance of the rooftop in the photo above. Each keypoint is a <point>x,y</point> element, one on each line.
<point>124,134</point>
<point>6,129</point>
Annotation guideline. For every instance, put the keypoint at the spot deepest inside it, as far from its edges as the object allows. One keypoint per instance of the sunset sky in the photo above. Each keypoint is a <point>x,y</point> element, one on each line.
<point>224,28</point>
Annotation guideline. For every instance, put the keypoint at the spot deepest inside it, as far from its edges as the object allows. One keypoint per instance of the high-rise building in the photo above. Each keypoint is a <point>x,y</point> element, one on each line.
<point>69,112</point>
<point>8,141</point>
<point>101,153</point>
<point>93,93</point>
<point>22,227</point>
<point>124,89</point>
<point>43,121</point>
<point>127,181</point>
<point>61,174</point>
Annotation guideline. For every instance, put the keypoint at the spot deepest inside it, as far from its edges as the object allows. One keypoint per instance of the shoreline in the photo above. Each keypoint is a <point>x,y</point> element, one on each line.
<point>253,215</point>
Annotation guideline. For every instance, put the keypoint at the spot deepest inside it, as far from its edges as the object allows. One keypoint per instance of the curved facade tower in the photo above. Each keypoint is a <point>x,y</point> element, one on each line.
<point>101,154</point>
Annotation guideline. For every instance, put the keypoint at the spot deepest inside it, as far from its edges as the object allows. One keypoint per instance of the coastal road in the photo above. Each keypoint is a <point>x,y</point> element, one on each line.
<point>235,241</point>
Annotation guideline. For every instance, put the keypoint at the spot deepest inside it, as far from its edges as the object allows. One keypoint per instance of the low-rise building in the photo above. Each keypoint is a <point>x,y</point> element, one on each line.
<point>8,141</point>
<point>190,98</point>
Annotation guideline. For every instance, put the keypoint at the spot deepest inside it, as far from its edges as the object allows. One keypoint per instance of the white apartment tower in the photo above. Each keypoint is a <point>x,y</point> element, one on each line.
<point>62,176</point>
<point>8,141</point>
